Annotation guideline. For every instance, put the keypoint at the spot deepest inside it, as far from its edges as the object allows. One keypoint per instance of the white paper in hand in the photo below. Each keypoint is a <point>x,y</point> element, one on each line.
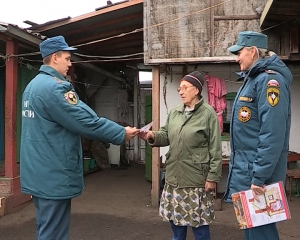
<point>147,127</point>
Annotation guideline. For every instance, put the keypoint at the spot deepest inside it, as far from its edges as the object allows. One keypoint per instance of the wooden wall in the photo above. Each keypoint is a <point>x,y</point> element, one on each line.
<point>193,30</point>
<point>284,40</point>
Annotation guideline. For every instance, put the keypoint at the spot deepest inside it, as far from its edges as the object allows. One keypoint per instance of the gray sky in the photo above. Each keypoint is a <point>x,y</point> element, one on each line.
<point>41,11</point>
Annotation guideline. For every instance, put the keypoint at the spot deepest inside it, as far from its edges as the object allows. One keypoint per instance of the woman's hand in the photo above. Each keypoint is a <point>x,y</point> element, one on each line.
<point>210,186</point>
<point>146,135</point>
<point>257,190</point>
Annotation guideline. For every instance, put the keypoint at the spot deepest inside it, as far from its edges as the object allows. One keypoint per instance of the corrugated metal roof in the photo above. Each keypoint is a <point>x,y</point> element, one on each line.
<point>6,28</point>
<point>115,30</point>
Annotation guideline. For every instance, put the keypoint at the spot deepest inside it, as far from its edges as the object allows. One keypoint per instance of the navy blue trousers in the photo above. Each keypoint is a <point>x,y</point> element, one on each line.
<point>52,218</point>
<point>265,232</point>
<point>200,233</point>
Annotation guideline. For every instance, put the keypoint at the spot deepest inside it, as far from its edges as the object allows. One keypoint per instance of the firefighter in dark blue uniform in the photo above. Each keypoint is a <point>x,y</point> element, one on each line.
<point>53,121</point>
<point>260,123</point>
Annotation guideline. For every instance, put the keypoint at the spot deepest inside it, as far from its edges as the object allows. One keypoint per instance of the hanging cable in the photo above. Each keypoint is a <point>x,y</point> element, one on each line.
<point>106,60</point>
<point>112,57</point>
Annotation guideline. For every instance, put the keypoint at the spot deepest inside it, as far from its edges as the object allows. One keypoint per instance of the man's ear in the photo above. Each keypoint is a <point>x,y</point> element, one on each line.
<point>54,57</point>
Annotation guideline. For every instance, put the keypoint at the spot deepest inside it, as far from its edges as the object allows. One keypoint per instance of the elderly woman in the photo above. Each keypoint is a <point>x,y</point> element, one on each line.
<point>193,163</point>
<point>260,123</point>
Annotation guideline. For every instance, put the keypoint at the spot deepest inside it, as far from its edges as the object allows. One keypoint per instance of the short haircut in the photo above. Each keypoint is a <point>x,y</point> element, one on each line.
<point>47,59</point>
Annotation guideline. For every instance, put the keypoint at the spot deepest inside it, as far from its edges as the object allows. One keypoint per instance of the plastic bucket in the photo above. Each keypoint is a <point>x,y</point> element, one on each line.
<point>92,164</point>
<point>86,164</point>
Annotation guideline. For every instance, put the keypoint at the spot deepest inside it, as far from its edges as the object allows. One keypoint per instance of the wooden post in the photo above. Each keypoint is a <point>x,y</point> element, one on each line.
<point>11,77</point>
<point>155,151</point>
<point>212,29</point>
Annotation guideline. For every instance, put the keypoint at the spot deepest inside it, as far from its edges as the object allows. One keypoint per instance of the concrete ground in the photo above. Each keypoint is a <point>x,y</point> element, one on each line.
<point>116,205</point>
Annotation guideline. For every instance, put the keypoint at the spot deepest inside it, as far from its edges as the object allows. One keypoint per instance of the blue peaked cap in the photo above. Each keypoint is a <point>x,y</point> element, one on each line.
<point>54,44</point>
<point>249,39</point>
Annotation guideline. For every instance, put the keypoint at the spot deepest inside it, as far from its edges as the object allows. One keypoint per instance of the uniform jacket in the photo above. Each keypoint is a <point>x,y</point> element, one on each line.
<point>260,126</point>
<point>195,146</point>
<point>53,119</point>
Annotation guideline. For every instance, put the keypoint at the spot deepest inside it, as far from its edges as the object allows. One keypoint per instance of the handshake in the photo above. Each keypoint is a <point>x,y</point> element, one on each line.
<point>144,133</point>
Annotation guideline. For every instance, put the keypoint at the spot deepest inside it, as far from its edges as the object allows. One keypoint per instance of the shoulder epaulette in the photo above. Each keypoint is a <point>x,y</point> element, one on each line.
<point>269,71</point>
<point>58,80</point>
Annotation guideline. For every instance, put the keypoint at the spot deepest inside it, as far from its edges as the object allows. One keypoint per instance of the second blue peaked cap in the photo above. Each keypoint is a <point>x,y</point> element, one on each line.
<point>249,39</point>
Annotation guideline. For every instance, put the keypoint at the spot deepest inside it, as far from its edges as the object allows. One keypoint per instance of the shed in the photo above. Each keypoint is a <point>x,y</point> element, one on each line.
<point>110,54</point>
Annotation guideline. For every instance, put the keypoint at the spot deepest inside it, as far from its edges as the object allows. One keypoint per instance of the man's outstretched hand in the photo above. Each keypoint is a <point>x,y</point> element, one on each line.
<point>131,132</point>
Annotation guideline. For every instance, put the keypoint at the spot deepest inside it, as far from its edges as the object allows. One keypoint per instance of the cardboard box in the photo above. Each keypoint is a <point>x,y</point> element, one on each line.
<point>272,207</point>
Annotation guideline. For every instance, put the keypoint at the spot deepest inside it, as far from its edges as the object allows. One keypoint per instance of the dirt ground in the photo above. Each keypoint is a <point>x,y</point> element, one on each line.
<point>116,205</point>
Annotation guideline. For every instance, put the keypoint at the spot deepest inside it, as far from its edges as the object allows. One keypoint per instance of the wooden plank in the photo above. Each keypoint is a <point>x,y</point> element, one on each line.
<point>265,12</point>
<point>194,60</point>
<point>273,40</point>
<point>294,40</point>
<point>155,150</point>
<point>284,40</point>
<point>236,17</point>
<point>201,60</point>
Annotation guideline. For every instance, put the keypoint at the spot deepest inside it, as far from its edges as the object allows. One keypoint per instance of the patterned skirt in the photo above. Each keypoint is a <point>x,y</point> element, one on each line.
<point>187,206</point>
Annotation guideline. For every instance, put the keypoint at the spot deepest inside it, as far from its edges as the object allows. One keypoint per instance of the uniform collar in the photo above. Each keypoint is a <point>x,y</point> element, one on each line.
<point>259,66</point>
<point>51,71</point>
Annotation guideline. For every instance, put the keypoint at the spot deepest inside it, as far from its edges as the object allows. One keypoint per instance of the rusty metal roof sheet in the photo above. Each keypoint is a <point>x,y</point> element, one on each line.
<point>114,30</point>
